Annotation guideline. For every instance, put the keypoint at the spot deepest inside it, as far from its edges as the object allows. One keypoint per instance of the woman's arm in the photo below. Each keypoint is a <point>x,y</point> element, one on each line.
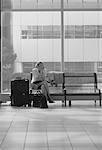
<point>34,75</point>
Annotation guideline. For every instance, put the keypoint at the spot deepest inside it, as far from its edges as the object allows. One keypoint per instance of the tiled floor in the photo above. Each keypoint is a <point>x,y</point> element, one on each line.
<point>56,128</point>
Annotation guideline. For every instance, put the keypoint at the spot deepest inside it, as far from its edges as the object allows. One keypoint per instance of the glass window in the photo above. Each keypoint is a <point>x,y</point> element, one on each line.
<point>56,3</point>
<point>82,4</point>
<point>31,4</point>
<point>90,31</point>
<point>100,35</point>
<point>9,4</point>
<point>72,3</point>
<point>100,3</point>
<point>56,31</point>
<point>6,4</point>
<point>49,4</point>
<point>70,32</point>
<point>91,50</point>
<point>27,38</point>
<point>99,31</point>
<point>28,4</point>
<point>82,43</point>
<point>40,4</point>
<point>16,4</point>
<point>79,31</point>
<point>44,3</point>
<point>90,1</point>
<point>47,31</point>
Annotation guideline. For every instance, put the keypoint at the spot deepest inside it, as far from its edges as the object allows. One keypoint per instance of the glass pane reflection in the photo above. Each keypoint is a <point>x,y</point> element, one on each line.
<point>6,4</point>
<point>82,4</point>
<point>50,4</point>
<point>30,4</point>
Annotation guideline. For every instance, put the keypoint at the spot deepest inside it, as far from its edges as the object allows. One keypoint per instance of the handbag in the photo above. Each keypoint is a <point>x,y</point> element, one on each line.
<point>39,99</point>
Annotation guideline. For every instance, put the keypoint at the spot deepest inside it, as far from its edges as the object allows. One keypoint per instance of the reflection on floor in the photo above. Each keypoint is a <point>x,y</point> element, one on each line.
<point>56,128</point>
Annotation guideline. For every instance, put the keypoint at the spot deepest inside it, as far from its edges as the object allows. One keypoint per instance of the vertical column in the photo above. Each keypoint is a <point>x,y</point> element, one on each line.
<point>0,45</point>
<point>62,37</point>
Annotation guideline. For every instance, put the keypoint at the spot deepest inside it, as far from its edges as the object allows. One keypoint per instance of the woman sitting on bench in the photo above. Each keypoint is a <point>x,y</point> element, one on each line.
<point>38,80</point>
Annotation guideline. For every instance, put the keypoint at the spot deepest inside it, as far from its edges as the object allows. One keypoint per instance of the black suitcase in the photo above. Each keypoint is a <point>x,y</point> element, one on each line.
<point>20,92</point>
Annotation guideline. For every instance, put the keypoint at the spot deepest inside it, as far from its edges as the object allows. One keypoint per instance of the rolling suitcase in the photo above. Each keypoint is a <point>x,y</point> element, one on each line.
<point>20,92</point>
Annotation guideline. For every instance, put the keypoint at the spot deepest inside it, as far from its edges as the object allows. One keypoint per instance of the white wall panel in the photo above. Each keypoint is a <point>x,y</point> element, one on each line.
<point>91,51</point>
<point>29,50</point>
<point>56,50</point>
<point>44,50</point>
<point>90,18</point>
<point>75,50</point>
<point>74,18</point>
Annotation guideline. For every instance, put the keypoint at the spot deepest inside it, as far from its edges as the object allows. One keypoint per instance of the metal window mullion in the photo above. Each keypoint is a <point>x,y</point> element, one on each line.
<point>62,37</point>
<point>1,50</point>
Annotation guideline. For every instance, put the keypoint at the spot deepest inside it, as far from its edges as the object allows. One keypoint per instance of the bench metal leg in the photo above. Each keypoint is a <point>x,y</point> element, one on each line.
<point>100,97</point>
<point>65,102</point>
<point>100,100</point>
<point>69,103</point>
<point>95,102</point>
<point>65,97</point>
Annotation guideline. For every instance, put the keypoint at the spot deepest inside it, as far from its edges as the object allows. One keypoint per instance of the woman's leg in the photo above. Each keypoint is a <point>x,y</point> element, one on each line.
<point>45,90</point>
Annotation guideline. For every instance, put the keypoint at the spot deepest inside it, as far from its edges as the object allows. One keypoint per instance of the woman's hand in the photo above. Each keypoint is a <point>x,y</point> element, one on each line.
<point>34,86</point>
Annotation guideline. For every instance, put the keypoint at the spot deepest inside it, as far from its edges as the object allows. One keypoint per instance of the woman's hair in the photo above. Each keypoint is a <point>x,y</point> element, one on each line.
<point>38,63</point>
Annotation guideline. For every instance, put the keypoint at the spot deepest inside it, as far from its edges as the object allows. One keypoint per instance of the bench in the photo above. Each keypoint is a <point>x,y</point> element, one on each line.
<point>73,86</point>
<point>81,86</point>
